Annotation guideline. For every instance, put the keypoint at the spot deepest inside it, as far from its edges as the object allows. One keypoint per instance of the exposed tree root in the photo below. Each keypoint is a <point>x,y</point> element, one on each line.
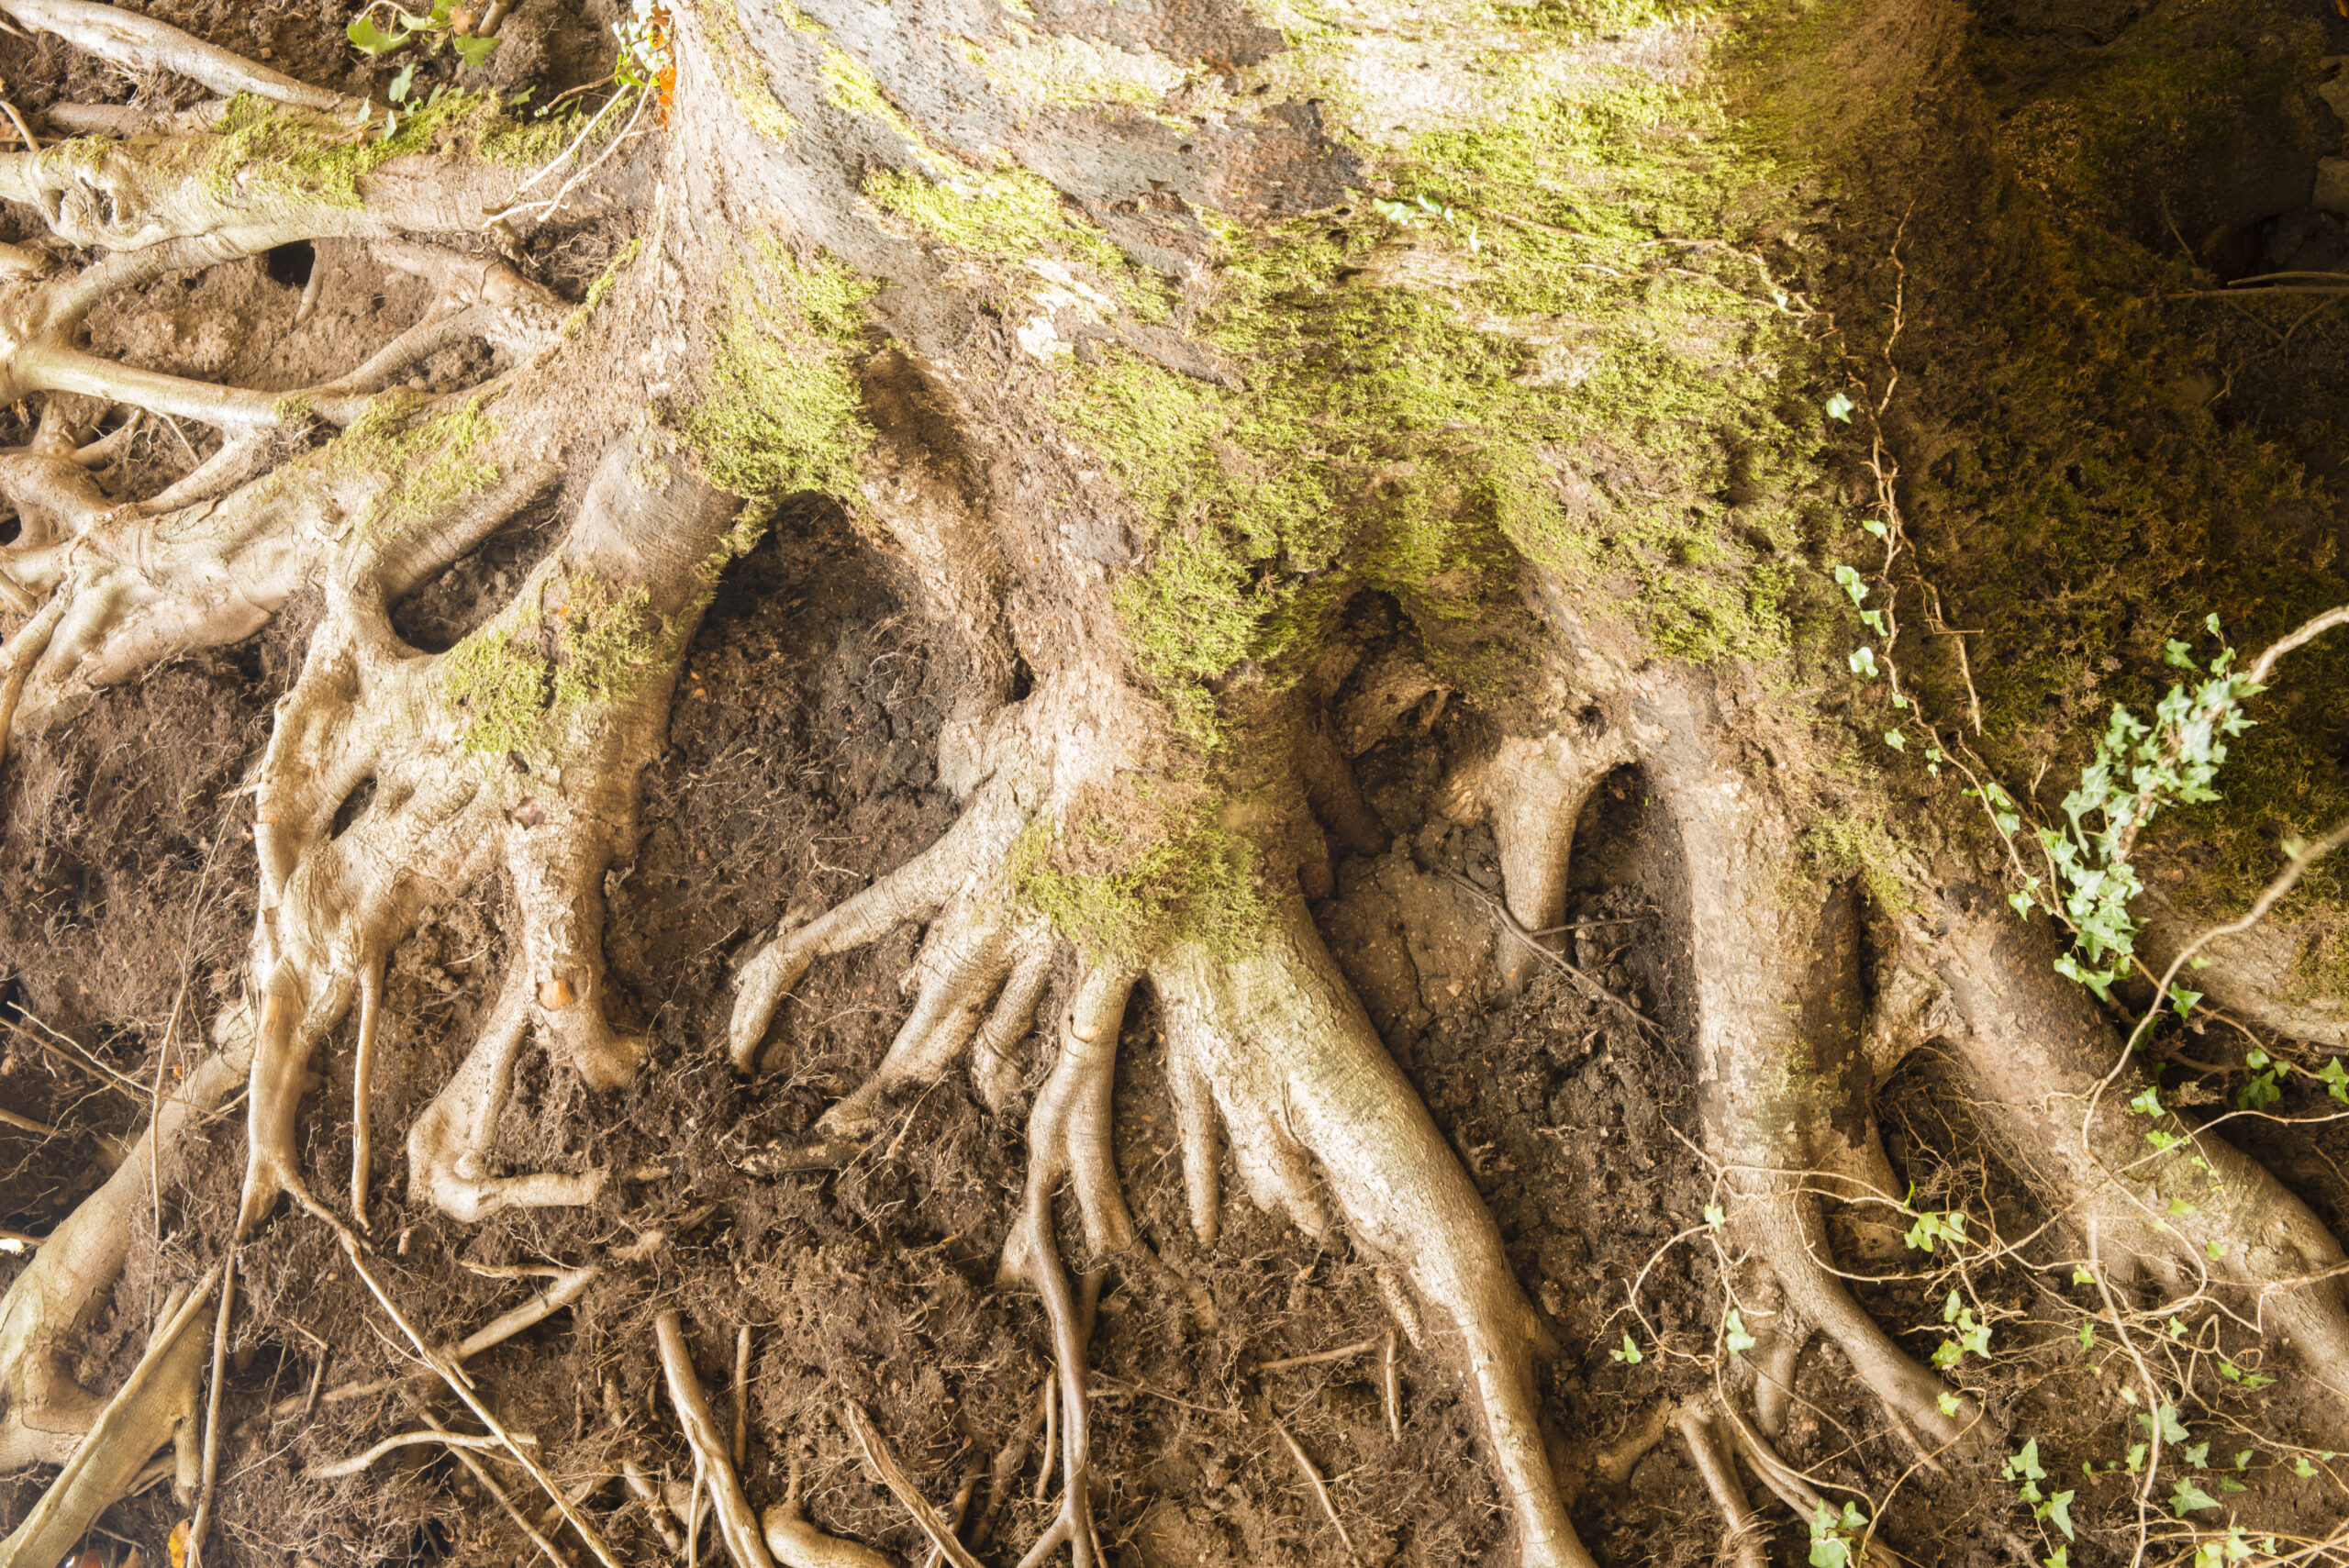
<point>2058,1091</point>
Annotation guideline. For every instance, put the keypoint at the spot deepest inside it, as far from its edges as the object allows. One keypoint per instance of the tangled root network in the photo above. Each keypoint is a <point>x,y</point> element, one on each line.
<point>1136,847</point>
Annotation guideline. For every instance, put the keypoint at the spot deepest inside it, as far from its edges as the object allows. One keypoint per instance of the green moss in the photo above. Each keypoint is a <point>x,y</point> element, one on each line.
<point>1195,885</point>
<point>499,686</point>
<point>601,289</point>
<point>1555,357</point>
<point>746,79</point>
<point>849,85</point>
<point>779,410</point>
<point>1846,845</point>
<point>512,694</point>
<point>259,147</point>
<point>437,461</point>
<point>411,461</point>
<point>608,639</point>
<point>1009,215</point>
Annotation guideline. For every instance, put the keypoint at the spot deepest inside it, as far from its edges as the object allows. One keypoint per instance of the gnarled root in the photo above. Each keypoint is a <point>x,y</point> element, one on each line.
<point>1275,1041</point>
<point>1270,1039</point>
<point>1533,791</point>
<point>1784,1090</point>
<point>367,707</point>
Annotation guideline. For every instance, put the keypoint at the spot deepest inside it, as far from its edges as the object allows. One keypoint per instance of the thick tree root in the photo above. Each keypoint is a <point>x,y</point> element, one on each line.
<point>1272,1042</point>
<point>332,905</point>
<point>2058,1096</point>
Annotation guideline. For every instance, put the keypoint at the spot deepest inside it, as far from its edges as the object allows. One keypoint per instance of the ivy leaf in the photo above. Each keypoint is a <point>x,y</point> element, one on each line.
<point>2335,1079</point>
<point>1876,526</point>
<point>1716,1216</point>
<point>2183,999</point>
<point>2187,1498</point>
<point>474,51</point>
<point>2059,1509</point>
<point>1840,407</point>
<point>1894,739</point>
<point>1630,1354</point>
<point>1862,663</point>
<point>369,39</point>
<point>1734,1336</point>
<point>397,91</point>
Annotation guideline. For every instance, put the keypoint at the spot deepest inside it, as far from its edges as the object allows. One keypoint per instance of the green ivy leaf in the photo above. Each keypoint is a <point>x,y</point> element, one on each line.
<point>1630,1354</point>
<point>1840,407</point>
<point>2186,1498</point>
<point>2335,1079</point>
<point>2059,1509</point>
<point>369,39</point>
<point>474,51</point>
<point>1734,1336</point>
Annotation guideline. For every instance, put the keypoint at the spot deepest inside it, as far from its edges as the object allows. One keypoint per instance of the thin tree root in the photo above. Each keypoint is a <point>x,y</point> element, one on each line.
<point>462,1387</point>
<point>358,1461</point>
<point>893,1475</point>
<point>479,1473</point>
<point>1745,1536</point>
<point>713,1461</point>
<point>1320,1491</point>
<point>141,44</point>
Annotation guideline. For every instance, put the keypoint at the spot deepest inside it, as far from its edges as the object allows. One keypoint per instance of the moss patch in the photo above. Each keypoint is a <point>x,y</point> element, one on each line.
<point>513,684</point>
<point>1009,215</point>
<point>779,410</point>
<point>1541,348</point>
<point>259,147</point>
<point>1195,884</point>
